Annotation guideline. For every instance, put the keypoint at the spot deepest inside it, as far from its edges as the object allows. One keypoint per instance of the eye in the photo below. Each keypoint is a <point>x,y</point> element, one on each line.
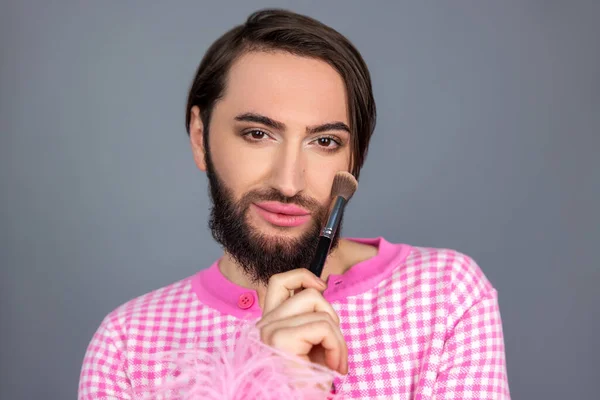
<point>329,143</point>
<point>324,141</point>
<point>255,135</point>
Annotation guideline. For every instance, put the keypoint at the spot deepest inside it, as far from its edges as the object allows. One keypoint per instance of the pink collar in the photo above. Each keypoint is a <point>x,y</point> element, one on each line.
<point>214,290</point>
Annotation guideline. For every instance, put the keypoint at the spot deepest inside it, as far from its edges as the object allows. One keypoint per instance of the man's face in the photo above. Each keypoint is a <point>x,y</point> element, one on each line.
<point>276,140</point>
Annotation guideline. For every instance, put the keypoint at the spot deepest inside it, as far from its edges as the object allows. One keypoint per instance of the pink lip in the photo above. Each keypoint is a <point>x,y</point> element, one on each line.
<point>281,208</point>
<point>279,214</point>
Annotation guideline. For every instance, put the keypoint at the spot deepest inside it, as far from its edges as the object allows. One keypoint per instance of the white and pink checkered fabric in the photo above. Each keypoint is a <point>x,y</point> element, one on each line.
<point>420,323</point>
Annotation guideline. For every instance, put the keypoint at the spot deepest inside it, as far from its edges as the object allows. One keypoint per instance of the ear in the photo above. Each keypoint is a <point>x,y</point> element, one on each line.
<point>197,138</point>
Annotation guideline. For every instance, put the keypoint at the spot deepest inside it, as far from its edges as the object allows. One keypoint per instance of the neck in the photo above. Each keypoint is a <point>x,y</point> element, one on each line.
<point>347,254</point>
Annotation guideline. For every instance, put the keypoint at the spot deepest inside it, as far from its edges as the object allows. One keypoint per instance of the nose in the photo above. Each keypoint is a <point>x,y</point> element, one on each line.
<point>288,170</point>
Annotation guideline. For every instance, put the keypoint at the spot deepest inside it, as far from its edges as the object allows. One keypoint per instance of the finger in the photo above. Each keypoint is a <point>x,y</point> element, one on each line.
<point>296,320</point>
<point>299,340</point>
<point>281,286</point>
<point>268,330</point>
<point>308,300</point>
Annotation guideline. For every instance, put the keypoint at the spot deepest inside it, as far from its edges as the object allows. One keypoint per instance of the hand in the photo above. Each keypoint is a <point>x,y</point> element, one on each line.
<point>303,324</point>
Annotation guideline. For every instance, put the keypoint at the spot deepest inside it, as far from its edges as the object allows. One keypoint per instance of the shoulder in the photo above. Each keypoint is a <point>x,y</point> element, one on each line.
<point>458,270</point>
<point>448,277</point>
<point>152,307</point>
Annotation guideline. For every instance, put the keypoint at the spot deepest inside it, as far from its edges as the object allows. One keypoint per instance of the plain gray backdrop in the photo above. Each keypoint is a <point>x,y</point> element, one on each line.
<point>487,142</point>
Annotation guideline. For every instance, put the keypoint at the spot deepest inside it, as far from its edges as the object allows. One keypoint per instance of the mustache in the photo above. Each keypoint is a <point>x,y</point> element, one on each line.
<point>273,194</point>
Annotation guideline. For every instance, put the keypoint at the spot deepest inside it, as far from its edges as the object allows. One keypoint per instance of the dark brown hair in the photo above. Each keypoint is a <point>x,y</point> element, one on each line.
<point>281,30</point>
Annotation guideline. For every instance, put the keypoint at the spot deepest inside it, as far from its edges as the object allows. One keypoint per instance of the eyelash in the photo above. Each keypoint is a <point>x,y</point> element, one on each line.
<point>248,136</point>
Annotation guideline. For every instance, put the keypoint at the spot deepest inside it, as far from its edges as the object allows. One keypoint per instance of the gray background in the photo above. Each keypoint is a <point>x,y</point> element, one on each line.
<point>487,142</point>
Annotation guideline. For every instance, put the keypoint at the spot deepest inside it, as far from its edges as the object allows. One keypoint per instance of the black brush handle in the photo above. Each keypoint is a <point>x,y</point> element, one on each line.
<point>316,267</point>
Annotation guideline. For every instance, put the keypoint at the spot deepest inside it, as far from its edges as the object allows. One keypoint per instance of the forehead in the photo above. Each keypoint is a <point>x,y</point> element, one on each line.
<point>286,86</point>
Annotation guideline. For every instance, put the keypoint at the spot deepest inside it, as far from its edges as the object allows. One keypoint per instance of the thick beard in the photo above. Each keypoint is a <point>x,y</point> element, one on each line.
<point>258,255</point>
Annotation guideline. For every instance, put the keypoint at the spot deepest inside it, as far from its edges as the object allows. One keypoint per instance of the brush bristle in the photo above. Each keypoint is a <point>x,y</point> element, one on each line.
<point>344,184</point>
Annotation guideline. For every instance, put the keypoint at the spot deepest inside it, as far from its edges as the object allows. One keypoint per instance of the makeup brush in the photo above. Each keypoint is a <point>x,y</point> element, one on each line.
<point>344,186</point>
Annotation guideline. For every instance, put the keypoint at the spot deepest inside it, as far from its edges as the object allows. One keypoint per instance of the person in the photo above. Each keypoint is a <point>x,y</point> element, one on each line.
<point>277,107</point>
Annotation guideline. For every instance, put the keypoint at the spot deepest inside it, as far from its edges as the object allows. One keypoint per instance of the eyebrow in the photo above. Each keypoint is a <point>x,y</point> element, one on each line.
<point>271,123</point>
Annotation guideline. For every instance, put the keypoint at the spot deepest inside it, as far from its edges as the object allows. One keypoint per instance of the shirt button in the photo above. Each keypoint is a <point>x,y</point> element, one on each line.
<point>245,301</point>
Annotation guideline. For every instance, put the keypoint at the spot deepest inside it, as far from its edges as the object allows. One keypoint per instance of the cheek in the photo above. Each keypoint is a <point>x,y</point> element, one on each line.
<point>320,175</point>
<point>240,168</point>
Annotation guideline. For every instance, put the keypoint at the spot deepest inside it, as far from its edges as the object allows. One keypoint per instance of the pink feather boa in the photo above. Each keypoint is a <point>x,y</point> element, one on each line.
<point>248,369</point>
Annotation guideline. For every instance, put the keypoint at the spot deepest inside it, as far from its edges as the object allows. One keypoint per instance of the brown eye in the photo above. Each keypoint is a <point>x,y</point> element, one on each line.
<point>324,141</point>
<point>328,143</point>
<point>257,135</point>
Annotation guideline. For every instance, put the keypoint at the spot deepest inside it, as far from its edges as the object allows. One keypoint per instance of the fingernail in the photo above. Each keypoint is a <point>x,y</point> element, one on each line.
<point>322,282</point>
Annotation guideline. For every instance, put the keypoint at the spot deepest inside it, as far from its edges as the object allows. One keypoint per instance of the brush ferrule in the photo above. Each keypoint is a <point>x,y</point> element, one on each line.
<point>327,232</point>
<point>335,216</point>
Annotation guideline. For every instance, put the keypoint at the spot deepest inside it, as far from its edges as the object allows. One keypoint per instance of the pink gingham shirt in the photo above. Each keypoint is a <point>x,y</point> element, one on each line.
<point>420,323</point>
